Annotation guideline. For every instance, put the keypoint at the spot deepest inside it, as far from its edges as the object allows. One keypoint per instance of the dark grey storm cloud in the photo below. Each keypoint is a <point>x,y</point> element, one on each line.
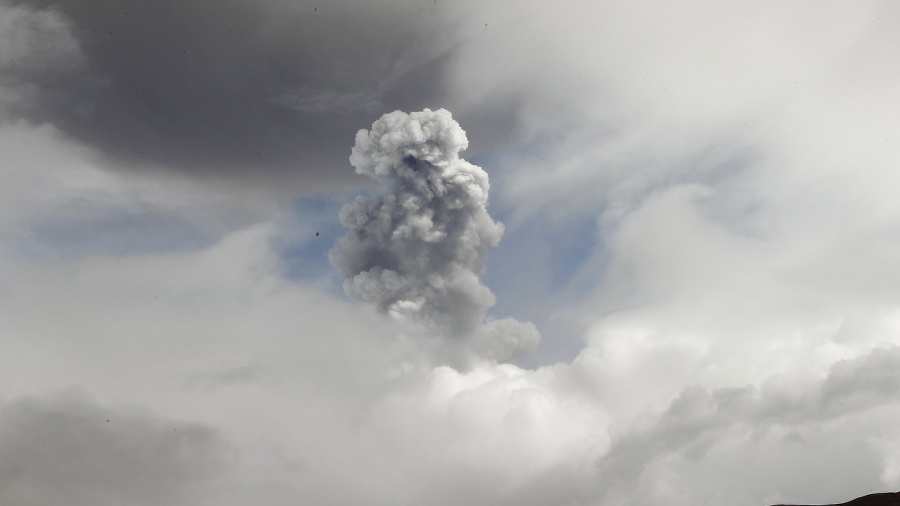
<point>224,86</point>
<point>67,450</point>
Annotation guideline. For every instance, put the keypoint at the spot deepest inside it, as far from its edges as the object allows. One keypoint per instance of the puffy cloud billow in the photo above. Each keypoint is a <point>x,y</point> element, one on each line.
<point>417,250</point>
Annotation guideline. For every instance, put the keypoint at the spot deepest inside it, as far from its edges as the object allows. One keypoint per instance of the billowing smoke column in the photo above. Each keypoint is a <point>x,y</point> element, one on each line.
<point>417,250</point>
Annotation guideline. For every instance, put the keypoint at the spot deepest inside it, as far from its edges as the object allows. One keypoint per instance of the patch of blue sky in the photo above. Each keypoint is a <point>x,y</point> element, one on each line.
<point>539,269</point>
<point>308,233</point>
<point>545,262</point>
<point>112,232</point>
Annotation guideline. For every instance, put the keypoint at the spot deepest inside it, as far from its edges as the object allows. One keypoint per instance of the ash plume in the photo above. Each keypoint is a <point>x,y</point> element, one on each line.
<point>417,250</point>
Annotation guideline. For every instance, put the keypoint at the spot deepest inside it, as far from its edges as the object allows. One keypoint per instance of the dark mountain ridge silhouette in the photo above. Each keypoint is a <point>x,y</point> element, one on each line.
<point>880,499</point>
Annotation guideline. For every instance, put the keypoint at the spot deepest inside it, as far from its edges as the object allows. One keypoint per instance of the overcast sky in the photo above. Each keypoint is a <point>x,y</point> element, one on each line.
<point>610,253</point>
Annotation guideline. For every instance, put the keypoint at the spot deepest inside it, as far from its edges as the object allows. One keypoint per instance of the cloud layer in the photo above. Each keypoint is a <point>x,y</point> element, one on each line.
<point>699,214</point>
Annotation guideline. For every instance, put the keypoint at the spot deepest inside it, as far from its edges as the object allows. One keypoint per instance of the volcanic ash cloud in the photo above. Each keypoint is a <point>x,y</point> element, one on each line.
<point>417,250</point>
